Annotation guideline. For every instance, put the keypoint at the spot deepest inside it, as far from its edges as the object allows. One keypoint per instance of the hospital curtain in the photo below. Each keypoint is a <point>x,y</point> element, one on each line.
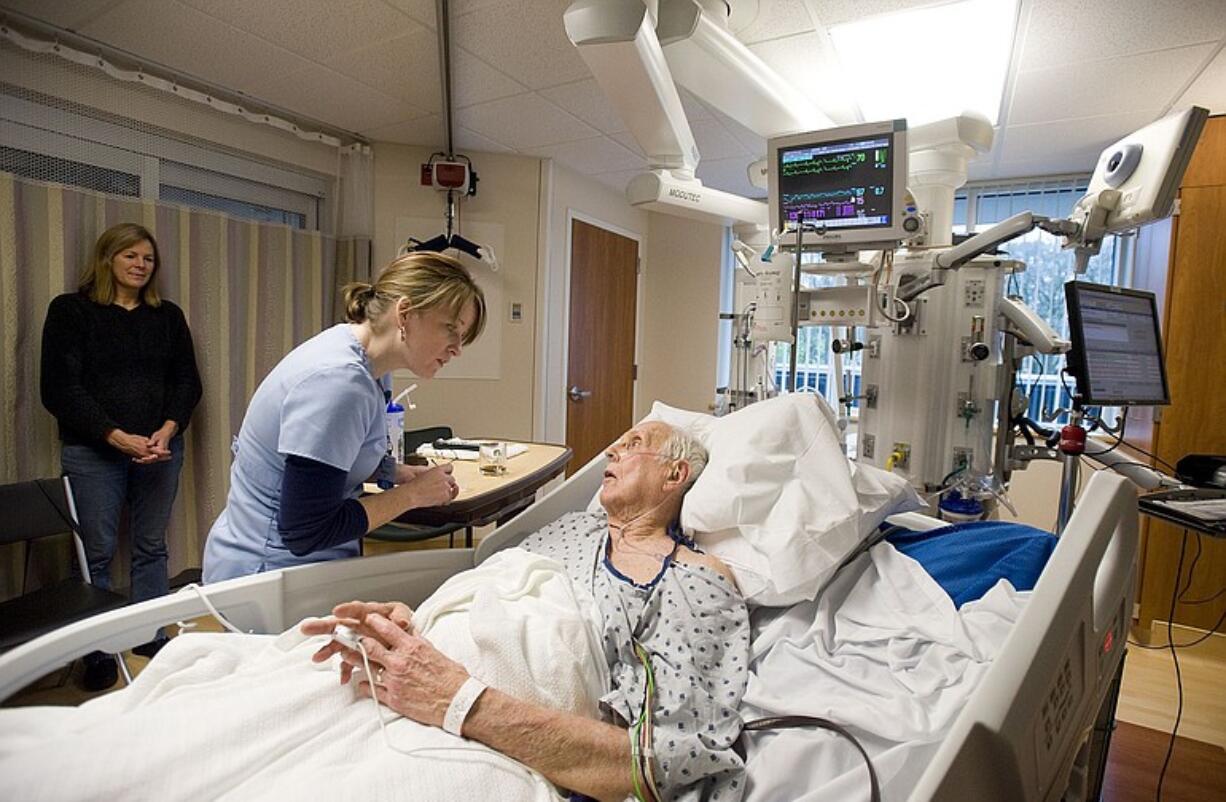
<point>251,291</point>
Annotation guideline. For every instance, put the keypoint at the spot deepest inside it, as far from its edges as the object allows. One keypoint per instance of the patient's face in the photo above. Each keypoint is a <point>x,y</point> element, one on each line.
<point>636,472</point>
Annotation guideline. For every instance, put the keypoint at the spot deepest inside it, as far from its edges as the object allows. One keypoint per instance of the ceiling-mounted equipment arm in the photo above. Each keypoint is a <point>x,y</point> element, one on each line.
<point>617,40</point>
<point>719,69</point>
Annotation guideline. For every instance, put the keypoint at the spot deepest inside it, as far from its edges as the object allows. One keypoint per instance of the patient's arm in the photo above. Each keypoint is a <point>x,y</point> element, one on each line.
<point>419,681</point>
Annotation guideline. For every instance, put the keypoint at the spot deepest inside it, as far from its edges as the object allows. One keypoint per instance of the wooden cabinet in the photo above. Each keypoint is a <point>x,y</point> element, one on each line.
<point>1194,334</point>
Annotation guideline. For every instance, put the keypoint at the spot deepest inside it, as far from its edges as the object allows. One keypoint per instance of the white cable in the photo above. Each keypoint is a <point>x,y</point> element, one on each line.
<point>501,761</point>
<point>213,610</point>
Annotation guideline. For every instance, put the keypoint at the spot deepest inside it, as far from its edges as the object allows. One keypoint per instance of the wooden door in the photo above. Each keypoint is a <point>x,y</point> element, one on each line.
<point>1195,342</point>
<point>600,363</point>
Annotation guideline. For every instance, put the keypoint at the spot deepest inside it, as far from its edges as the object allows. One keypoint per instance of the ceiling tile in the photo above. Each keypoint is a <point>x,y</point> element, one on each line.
<point>314,30</point>
<point>420,10</point>
<point>70,14</point>
<point>473,81</point>
<point>405,68</point>
<point>588,102</point>
<point>626,139</point>
<point>832,12</point>
<point>1112,86</point>
<point>524,121</point>
<point>776,19</point>
<point>729,175</point>
<point>427,131</point>
<point>751,144</point>
<point>1062,32</point>
<point>468,140</point>
<point>336,99</point>
<point>189,42</point>
<point>1209,90</point>
<point>693,107</point>
<point>524,39</point>
<point>1081,139</point>
<point>589,156</point>
<point>716,142</point>
<point>815,71</point>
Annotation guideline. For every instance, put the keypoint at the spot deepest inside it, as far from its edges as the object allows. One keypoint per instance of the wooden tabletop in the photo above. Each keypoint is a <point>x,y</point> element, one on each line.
<point>484,498</point>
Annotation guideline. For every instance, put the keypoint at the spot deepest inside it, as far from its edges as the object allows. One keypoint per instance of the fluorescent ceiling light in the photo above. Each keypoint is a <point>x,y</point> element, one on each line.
<point>930,63</point>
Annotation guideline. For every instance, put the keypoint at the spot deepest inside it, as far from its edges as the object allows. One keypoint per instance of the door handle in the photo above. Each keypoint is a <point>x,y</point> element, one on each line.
<point>578,395</point>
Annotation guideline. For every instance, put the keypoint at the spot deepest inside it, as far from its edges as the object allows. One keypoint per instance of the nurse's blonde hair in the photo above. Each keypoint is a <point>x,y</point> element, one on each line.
<point>427,280</point>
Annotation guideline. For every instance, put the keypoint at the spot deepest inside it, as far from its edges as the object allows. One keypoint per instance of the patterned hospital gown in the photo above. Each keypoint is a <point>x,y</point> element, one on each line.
<point>694,625</point>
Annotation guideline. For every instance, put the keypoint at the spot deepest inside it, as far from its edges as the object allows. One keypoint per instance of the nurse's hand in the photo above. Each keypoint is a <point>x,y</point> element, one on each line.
<point>411,676</point>
<point>433,487</point>
<point>407,473</point>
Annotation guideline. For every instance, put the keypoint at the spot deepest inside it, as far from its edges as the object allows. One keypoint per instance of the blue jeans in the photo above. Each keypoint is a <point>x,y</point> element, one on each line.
<point>103,480</point>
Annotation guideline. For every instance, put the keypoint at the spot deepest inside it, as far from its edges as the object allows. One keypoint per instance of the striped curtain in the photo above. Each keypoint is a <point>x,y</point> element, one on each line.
<point>251,292</point>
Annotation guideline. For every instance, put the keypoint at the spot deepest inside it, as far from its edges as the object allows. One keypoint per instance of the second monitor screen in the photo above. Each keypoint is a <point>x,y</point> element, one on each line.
<point>847,184</point>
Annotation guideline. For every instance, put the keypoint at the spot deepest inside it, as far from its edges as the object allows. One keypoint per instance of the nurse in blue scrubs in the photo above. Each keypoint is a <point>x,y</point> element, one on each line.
<point>315,428</point>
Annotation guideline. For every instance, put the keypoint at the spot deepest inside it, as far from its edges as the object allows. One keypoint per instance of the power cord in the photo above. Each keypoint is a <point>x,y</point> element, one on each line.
<point>1170,637</point>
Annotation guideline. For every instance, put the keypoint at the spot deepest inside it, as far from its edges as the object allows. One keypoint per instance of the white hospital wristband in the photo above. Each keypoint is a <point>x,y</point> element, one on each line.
<point>461,703</point>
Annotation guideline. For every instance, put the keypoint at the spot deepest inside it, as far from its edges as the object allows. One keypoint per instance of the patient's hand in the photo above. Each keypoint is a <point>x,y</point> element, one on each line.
<point>411,676</point>
<point>354,615</point>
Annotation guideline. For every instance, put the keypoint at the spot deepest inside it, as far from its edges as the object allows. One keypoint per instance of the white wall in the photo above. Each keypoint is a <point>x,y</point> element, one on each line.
<point>680,319</point>
<point>566,195</point>
<point>508,196</point>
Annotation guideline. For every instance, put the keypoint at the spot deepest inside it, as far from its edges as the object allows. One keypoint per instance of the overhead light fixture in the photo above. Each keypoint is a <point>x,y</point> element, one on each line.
<point>930,63</point>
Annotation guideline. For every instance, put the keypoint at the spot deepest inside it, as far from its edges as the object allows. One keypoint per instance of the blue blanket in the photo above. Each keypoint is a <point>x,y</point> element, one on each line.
<point>967,559</point>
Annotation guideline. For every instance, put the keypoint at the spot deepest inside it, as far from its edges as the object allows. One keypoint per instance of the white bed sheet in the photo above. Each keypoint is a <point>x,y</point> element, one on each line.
<point>249,717</point>
<point>884,652</point>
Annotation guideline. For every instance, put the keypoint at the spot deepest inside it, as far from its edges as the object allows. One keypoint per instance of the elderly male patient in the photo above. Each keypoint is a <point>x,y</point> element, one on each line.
<point>675,632</point>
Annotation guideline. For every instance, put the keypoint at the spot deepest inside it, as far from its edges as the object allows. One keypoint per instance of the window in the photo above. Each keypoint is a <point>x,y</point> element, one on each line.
<point>231,206</point>
<point>46,140</point>
<point>44,167</point>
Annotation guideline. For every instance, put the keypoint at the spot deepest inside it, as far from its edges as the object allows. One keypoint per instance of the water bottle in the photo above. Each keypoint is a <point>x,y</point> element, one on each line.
<point>395,431</point>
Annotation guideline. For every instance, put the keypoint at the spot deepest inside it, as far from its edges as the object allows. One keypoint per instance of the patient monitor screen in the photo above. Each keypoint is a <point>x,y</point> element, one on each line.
<point>841,184</point>
<point>1117,352</point>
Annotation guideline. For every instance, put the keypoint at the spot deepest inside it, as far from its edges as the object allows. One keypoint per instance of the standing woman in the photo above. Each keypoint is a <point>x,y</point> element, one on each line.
<point>315,429</point>
<point>119,375</point>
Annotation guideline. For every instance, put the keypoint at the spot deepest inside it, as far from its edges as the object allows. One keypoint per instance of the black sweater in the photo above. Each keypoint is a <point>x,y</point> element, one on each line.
<point>106,367</point>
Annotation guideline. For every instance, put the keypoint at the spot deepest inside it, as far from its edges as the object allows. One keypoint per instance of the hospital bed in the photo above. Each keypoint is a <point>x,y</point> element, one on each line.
<point>1025,733</point>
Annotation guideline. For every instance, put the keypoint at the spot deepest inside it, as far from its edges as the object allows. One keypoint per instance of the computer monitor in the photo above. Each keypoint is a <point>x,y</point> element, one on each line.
<point>1116,355</point>
<point>850,184</point>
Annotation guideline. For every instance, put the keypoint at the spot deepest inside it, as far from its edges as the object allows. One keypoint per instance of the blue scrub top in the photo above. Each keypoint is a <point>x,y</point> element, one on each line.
<point>321,402</point>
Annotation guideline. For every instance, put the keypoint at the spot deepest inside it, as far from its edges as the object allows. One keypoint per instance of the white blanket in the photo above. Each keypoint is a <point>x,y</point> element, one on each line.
<point>242,717</point>
<point>884,652</point>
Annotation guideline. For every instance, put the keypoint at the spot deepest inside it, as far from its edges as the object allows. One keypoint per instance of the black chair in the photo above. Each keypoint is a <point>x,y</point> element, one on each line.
<point>394,532</point>
<point>35,510</point>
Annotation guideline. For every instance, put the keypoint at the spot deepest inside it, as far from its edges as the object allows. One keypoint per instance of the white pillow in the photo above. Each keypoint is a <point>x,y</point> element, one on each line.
<point>779,501</point>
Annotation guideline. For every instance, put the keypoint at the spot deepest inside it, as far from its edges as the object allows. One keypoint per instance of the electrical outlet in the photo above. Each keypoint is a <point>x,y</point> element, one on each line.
<point>903,460</point>
<point>870,396</point>
<point>963,458</point>
<point>868,445</point>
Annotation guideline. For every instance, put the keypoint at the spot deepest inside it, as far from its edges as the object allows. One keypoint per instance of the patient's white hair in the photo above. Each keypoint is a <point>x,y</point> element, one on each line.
<point>680,446</point>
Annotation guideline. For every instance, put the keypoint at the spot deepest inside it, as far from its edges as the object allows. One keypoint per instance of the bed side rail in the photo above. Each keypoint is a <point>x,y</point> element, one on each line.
<point>263,603</point>
<point>251,603</point>
<point>1017,737</point>
<point>570,496</point>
